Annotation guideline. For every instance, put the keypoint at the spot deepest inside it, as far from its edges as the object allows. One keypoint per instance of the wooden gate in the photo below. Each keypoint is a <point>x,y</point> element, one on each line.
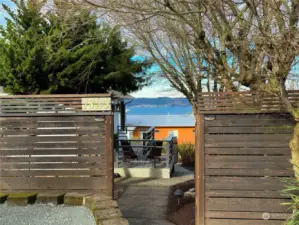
<point>56,142</point>
<point>241,161</point>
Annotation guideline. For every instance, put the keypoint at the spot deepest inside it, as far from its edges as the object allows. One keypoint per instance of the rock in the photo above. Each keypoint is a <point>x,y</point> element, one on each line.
<point>21,198</point>
<point>192,190</point>
<point>105,204</point>
<point>119,221</point>
<point>92,199</point>
<point>189,194</point>
<point>54,198</point>
<point>105,214</point>
<point>76,198</point>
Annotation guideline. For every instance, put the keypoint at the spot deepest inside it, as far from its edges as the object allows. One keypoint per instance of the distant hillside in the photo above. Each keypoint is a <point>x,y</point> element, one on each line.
<point>158,102</point>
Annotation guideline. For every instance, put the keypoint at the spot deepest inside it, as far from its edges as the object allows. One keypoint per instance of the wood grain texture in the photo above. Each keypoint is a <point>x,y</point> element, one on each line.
<point>54,152</point>
<point>200,171</point>
<point>246,205</point>
<point>246,158</point>
<point>53,183</point>
<point>242,222</point>
<point>242,102</point>
<point>109,156</point>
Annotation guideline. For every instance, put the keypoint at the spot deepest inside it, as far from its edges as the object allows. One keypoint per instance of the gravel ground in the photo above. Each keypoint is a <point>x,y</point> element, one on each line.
<point>45,215</point>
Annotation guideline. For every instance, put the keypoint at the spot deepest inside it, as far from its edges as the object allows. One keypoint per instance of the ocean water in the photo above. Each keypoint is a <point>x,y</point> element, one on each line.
<point>159,110</point>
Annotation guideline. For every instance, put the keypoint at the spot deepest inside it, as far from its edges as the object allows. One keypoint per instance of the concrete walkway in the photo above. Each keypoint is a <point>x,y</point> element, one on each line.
<point>144,200</point>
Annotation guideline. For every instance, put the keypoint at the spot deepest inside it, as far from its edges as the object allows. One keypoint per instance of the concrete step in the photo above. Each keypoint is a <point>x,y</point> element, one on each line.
<point>146,191</point>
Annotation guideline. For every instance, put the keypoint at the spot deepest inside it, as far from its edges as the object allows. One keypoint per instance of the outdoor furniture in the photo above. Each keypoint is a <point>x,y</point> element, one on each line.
<point>127,150</point>
<point>155,151</point>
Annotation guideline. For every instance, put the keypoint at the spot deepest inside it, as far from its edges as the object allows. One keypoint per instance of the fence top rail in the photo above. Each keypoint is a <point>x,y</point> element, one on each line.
<point>55,105</point>
<point>50,96</point>
<point>244,102</point>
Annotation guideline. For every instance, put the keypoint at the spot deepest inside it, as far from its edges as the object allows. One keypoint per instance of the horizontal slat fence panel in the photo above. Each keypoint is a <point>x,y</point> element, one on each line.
<point>74,147</point>
<point>243,102</point>
<point>52,142</point>
<point>246,159</point>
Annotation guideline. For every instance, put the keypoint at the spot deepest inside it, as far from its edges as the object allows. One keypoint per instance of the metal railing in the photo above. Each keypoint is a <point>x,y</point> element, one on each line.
<point>146,152</point>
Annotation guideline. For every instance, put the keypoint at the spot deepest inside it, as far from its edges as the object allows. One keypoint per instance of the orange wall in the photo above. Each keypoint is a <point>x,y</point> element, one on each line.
<point>185,134</point>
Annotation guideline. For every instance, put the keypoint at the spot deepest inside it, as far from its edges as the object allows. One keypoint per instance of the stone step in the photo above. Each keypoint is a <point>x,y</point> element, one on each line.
<point>50,197</point>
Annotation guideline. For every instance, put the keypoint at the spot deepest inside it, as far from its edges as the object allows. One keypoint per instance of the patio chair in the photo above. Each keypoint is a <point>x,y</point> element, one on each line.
<point>155,151</point>
<point>127,150</point>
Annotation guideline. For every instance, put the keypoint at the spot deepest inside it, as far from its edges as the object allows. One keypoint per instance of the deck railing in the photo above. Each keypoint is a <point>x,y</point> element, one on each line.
<point>166,157</point>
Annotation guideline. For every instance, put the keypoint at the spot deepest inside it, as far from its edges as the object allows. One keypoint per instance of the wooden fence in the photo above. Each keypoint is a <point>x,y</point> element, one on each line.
<point>241,161</point>
<point>56,142</point>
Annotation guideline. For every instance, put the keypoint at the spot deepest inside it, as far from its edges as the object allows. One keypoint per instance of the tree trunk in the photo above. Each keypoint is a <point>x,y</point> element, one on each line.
<point>294,145</point>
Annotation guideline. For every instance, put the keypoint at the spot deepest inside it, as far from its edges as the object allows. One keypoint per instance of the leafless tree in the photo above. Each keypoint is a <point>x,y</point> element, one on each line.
<point>217,45</point>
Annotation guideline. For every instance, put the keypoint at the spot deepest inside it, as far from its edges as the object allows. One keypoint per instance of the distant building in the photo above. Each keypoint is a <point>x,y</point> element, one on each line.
<point>182,126</point>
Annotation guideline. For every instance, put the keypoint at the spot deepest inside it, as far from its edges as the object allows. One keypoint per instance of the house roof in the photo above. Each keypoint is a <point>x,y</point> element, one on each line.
<point>185,120</point>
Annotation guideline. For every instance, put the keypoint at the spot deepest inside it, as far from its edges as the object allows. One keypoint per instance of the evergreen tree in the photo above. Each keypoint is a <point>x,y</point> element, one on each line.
<point>45,53</point>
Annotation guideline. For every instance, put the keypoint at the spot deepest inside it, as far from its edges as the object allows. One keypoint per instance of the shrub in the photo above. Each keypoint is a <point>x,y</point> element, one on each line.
<point>292,191</point>
<point>187,153</point>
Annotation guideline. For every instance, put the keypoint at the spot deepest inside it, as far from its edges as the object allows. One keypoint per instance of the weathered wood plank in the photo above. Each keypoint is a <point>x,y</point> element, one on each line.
<point>53,124</point>
<point>249,130</point>
<point>242,222</point>
<point>63,145</point>
<point>246,215</point>
<point>200,170</point>
<point>248,144</point>
<point>245,194</point>
<point>247,165</point>
<point>246,137</point>
<point>37,173</point>
<point>253,172</point>
<point>60,114</point>
<point>244,183</point>
<point>53,183</point>
<point>55,96</point>
<point>263,122</point>
<point>109,153</point>
<point>249,158</point>
<point>49,139</point>
<point>258,116</point>
<point>51,152</point>
<point>248,151</point>
<point>45,119</point>
<point>53,131</point>
<point>246,205</point>
<point>81,159</point>
<point>53,166</point>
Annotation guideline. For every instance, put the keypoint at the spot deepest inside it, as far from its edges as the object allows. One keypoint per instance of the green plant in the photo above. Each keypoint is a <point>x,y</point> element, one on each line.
<point>44,53</point>
<point>291,191</point>
<point>187,153</point>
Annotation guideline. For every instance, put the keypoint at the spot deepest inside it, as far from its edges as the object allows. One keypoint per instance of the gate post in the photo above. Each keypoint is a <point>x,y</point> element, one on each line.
<point>200,170</point>
<point>109,152</point>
